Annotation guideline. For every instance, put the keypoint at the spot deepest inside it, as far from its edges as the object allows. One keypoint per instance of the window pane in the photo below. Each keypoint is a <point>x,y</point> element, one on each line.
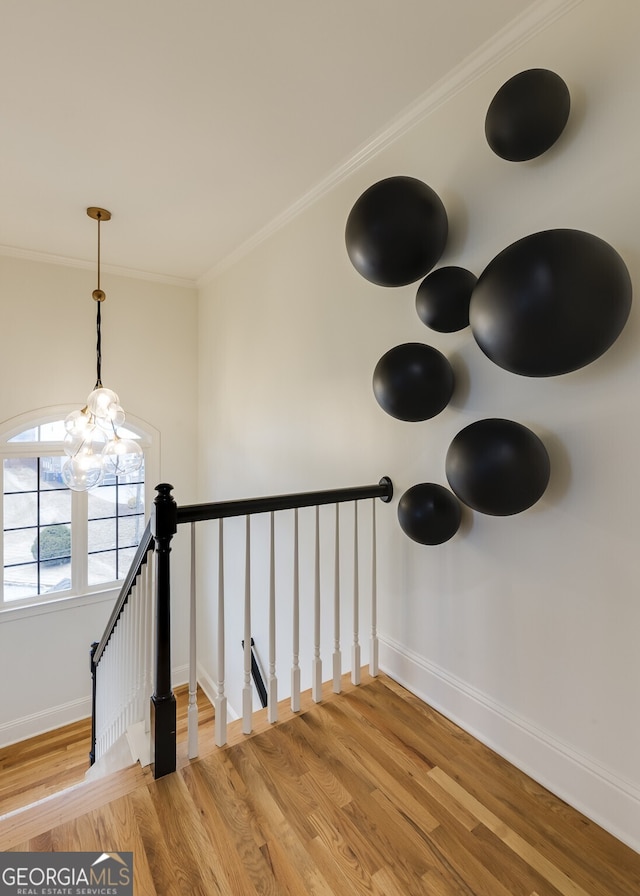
<point>55,575</point>
<point>20,474</point>
<point>131,500</point>
<point>51,472</point>
<point>102,568</point>
<point>46,432</point>
<point>20,546</point>
<point>62,584</point>
<point>102,535</point>
<point>20,510</point>
<point>29,435</point>
<point>55,544</point>
<point>130,529</point>
<point>102,502</point>
<point>21,581</point>
<point>55,507</point>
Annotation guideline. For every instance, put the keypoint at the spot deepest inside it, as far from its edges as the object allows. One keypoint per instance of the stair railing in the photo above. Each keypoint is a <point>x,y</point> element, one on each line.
<point>122,691</point>
<point>135,648</point>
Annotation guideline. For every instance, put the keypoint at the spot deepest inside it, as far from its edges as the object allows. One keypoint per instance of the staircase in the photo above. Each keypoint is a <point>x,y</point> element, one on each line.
<point>134,711</point>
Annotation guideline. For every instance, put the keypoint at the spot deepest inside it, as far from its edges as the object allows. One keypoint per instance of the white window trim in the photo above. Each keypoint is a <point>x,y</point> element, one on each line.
<point>149,442</point>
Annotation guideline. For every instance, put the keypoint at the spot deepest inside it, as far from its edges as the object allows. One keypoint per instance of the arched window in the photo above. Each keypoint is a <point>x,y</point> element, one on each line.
<point>57,542</point>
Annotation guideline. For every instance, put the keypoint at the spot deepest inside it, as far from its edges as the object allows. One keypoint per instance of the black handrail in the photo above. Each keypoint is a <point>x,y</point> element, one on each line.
<point>157,536</point>
<point>194,513</point>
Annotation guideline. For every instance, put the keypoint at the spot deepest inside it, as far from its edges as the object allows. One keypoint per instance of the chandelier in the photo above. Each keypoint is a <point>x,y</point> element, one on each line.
<point>92,443</point>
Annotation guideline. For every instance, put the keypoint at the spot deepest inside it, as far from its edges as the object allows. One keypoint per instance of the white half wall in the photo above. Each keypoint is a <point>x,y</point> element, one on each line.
<point>529,621</point>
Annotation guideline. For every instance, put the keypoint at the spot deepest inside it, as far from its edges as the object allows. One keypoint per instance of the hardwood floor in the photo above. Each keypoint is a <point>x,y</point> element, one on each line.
<point>369,792</point>
<point>41,766</point>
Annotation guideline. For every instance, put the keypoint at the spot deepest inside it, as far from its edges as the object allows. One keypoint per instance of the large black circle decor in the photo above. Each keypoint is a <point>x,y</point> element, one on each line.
<point>396,231</point>
<point>527,115</point>
<point>429,513</point>
<point>442,299</point>
<point>497,467</point>
<point>413,382</point>
<point>550,303</point>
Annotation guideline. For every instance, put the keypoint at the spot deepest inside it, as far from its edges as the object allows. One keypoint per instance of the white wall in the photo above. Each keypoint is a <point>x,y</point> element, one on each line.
<point>48,359</point>
<point>523,629</point>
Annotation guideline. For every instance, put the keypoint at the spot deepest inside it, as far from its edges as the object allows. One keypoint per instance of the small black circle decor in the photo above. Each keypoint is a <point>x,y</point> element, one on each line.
<point>550,303</point>
<point>498,467</point>
<point>429,513</point>
<point>527,115</point>
<point>442,299</point>
<point>413,382</point>
<point>396,231</point>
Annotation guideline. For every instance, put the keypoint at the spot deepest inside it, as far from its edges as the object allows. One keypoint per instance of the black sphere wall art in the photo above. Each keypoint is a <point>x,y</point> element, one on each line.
<point>443,297</point>
<point>429,513</point>
<point>498,467</point>
<point>550,303</point>
<point>396,231</point>
<point>527,115</point>
<point>413,382</point>
<point>547,305</point>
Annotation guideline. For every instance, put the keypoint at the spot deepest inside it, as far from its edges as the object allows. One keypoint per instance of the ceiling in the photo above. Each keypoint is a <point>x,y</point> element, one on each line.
<point>198,123</point>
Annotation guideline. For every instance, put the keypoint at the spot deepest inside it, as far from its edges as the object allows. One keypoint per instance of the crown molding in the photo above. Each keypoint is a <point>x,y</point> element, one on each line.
<point>45,258</point>
<point>505,42</point>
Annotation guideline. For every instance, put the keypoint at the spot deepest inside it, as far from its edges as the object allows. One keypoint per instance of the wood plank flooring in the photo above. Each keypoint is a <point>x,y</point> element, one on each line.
<point>369,792</point>
<point>41,766</point>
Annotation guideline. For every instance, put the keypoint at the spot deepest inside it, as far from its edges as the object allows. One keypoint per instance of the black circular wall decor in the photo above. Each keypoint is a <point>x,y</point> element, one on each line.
<point>550,303</point>
<point>527,115</point>
<point>413,382</point>
<point>396,231</point>
<point>442,299</point>
<point>497,466</point>
<point>429,513</point>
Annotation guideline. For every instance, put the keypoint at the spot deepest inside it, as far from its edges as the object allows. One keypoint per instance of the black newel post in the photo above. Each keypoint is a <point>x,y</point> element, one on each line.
<point>92,751</point>
<point>164,525</point>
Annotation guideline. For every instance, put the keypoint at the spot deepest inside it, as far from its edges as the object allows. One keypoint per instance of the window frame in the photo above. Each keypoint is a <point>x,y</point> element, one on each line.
<point>80,593</point>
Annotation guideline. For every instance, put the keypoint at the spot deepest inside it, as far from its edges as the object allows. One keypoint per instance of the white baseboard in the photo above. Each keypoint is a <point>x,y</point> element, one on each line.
<point>579,780</point>
<point>53,717</point>
<point>46,720</point>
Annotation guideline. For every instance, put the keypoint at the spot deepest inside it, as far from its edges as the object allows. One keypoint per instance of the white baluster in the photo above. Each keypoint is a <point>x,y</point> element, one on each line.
<point>316,677</point>
<point>220,701</point>
<point>133,651</point>
<point>247,702</point>
<point>295,668</point>
<point>140,708</point>
<point>373,649</point>
<point>117,691</point>
<point>137,640</point>
<point>272,683</point>
<point>337,655</point>
<point>355,652</point>
<point>192,712</point>
<point>126,620</point>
